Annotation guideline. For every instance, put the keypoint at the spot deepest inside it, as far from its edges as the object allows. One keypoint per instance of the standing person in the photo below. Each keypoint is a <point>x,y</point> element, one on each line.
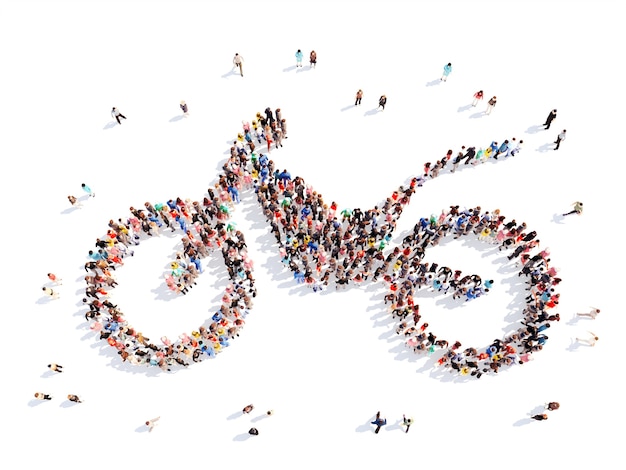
<point>553,405</point>
<point>151,423</point>
<point>490,105</point>
<point>74,398</point>
<point>247,409</point>
<point>540,417</point>
<point>42,396</point>
<point>407,422</point>
<point>238,62</point>
<point>55,368</point>
<point>593,313</point>
<point>591,341</point>
<point>313,59</point>
<point>183,106</point>
<point>299,56</point>
<point>478,96</point>
<point>382,102</point>
<point>57,280</point>
<point>379,422</point>
<point>559,138</point>
<point>117,115</point>
<point>446,71</point>
<point>253,431</point>
<point>551,117</point>
<point>359,96</point>
<point>578,209</point>
<point>88,190</point>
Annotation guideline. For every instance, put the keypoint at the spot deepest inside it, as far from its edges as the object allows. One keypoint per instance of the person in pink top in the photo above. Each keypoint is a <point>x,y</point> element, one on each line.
<point>55,279</point>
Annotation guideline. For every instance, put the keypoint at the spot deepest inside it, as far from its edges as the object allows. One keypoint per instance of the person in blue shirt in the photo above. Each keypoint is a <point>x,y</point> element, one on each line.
<point>502,149</point>
<point>446,71</point>
<point>299,58</point>
<point>379,422</point>
<point>88,190</point>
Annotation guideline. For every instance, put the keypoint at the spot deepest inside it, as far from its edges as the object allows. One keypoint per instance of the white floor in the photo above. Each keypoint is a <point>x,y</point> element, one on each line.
<point>325,363</point>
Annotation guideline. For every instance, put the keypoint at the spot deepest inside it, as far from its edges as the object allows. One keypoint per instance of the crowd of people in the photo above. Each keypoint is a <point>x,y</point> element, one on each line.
<point>205,226</point>
<point>322,246</point>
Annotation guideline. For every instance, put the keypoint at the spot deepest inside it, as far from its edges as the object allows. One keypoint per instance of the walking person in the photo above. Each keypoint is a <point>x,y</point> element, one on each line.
<point>151,423</point>
<point>407,422</point>
<point>478,96</point>
<point>42,396</point>
<point>88,190</point>
<point>117,115</point>
<point>48,291</point>
<point>184,108</point>
<point>446,71</point>
<point>53,278</point>
<point>490,105</point>
<point>253,431</point>
<point>55,368</point>
<point>247,409</point>
<point>379,422</point>
<point>559,139</point>
<point>553,405</point>
<point>299,56</point>
<point>593,313</point>
<point>540,417</point>
<point>359,97</point>
<point>313,59</point>
<point>74,398</point>
<point>238,63</point>
<point>551,117</point>
<point>591,340</point>
<point>382,101</point>
<point>578,209</point>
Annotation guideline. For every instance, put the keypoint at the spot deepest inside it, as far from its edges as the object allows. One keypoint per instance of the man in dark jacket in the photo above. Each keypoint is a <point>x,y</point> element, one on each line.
<point>551,117</point>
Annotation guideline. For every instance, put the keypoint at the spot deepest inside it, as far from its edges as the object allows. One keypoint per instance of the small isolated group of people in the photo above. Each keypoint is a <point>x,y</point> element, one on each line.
<point>312,58</point>
<point>562,135</point>
<point>75,202</point>
<point>382,101</point>
<point>55,281</point>
<point>551,406</point>
<point>478,97</point>
<point>247,410</point>
<point>44,396</point>
<point>379,422</point>
<point>592,338</point>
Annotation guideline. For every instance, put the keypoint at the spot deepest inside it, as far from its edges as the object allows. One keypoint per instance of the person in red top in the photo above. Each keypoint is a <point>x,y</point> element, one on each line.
<point>478,96</point>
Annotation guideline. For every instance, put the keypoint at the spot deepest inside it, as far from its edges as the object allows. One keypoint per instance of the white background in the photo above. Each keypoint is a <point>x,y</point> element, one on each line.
<point>325,363</point>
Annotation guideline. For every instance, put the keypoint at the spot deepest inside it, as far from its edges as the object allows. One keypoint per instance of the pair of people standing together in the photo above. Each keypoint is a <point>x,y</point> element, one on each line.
<point>312,58</point>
